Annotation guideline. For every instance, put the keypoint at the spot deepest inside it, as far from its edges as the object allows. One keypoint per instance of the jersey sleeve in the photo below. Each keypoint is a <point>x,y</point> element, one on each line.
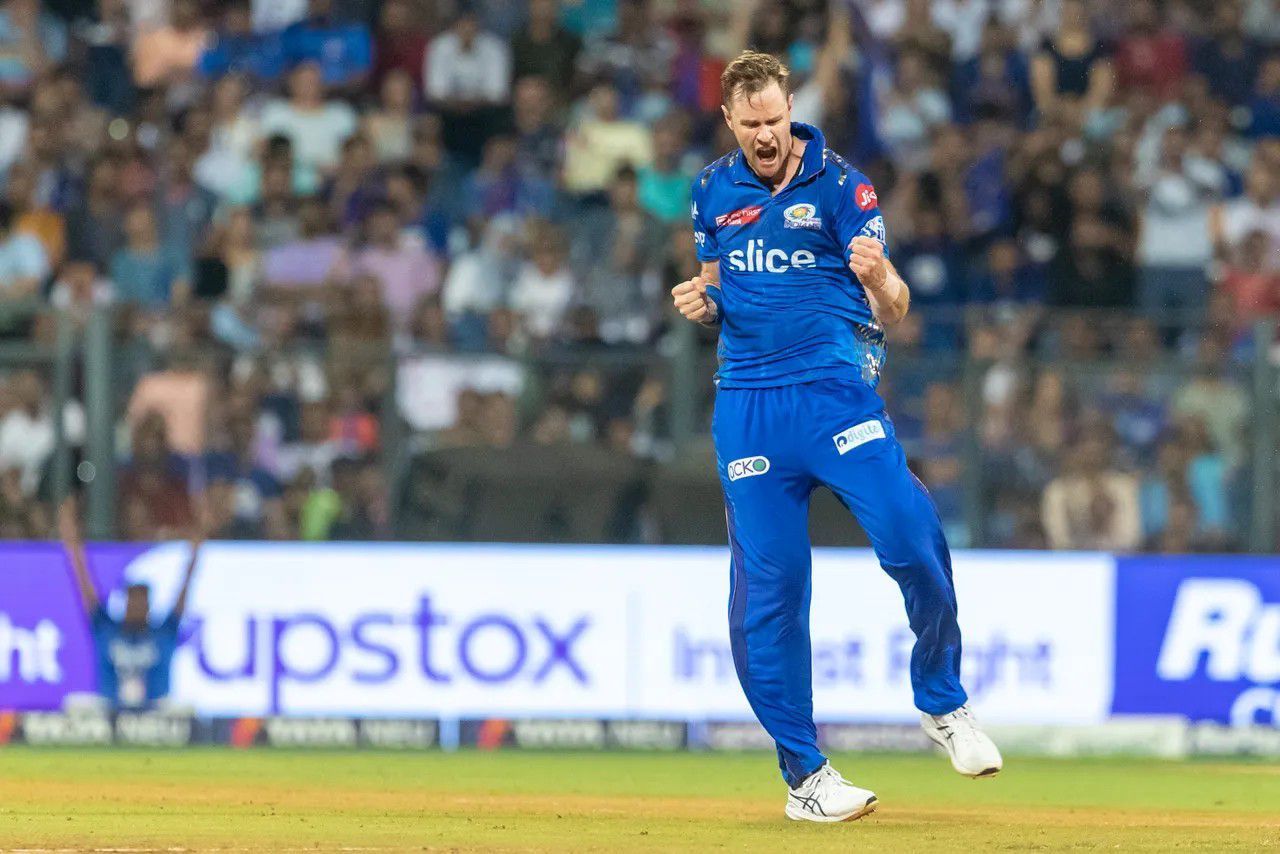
<point>704,236</point>
<point>857,212</point>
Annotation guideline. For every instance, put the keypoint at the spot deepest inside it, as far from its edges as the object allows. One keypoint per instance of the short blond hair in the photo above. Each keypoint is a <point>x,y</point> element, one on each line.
<point>750,73</point>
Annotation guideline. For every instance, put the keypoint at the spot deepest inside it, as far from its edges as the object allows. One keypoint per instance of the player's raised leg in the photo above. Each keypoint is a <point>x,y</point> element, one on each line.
<point>860,459</point>
<point>767,512</point>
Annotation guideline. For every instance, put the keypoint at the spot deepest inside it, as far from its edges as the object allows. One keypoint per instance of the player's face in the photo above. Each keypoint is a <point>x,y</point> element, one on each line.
<point>761,122</point>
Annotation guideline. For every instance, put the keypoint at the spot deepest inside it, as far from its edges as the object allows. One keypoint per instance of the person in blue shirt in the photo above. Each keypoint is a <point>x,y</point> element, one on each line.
<point>134,654</point>
<point>796,275</point>
<point>344,51</point>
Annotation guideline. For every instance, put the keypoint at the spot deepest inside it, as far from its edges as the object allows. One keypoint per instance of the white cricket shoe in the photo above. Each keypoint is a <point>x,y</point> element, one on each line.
<point>972,751</point>
<point>826,796</point>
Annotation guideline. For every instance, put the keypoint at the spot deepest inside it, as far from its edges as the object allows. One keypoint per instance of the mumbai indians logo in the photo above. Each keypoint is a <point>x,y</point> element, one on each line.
<point>748,467</point>
<point>802,216</point>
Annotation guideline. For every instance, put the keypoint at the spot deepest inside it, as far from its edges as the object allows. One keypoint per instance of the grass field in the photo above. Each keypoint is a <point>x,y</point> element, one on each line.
<point>272,800</point>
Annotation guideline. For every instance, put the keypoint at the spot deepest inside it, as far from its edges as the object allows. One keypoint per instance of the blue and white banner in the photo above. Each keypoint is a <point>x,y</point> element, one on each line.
<point>524,631</point>
<point>1199,637</point>
<point>591,632</point>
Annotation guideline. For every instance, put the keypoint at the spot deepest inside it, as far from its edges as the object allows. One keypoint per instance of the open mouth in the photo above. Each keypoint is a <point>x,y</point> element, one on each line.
<point>767,156</point>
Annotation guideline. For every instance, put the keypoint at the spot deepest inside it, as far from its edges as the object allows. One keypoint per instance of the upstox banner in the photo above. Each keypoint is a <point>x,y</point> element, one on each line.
<point>1199,637</point>
<point>478,631</point>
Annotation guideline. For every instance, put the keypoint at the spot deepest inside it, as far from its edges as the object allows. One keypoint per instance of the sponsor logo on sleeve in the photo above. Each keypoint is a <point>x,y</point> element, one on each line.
<point>742,216</point>
<point>803,215</point>
<point>865,197</point>
<point>747,467</point>
<point>858,434</point>
<point>874,228</point>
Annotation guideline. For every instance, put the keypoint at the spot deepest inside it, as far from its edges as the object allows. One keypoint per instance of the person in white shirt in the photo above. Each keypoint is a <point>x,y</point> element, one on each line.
<point>465,65</point>
<point>545,287</point>
<point>316,127</point>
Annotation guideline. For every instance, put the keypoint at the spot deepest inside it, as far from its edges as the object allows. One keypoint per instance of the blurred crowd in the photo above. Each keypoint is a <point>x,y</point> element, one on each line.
<point>319,221</point>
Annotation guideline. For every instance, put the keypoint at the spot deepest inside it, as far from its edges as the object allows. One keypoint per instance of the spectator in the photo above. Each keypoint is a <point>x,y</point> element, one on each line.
<point>153,501</point>
<point>147,273</point>
<point>80,289</point>
<point>315,449</point>
<point>545,286</point>
<point>342,51</point>
<point>30,217</point>
<point>615,254</point>
<point>237,49</point>
<point>94,228</point>
<point>390,128</point>
<point>1256,210</point>
<point>275,216</point>
<point>258,507</point>
<point>538,137</point>
<point>400,44</point>
<point>406,269</point>
<point>31,41</point>
<point>911,110</point>
<point>185,208</point>
<point>23,262</point>
<point>1151,57</point>
<point>467,77</point>
<point>339,512</point>
<point>296,267</point>
<point>167,55</point>
<point>1264,106</point>
<point>106,38</point>
<point>27,430</point>
<point>226,166</point>
<point>544,49</point>
<point>502,185</point>
<point>1092,505</point>
<point>602,143</point>
<point>315,128</point>
<point>1252,285</point>
<point>1072,75</point>
<point>1225,56</point>
<point>478,280</point>
<point>1216,399</point>
<point>664,185</point>
<point>1174,243</point>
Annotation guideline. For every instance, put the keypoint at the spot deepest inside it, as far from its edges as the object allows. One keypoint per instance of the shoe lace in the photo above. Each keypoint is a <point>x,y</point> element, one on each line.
<point>960,724</point>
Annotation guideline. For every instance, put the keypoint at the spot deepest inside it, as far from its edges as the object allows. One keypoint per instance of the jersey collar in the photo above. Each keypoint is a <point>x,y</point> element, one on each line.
<point>812,162</point>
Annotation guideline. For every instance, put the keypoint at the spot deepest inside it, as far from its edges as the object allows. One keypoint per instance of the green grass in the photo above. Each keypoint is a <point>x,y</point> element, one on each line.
<point>273,800</point>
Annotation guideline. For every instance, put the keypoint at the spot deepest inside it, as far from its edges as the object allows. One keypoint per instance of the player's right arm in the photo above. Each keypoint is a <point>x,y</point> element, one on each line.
<point>691,298</point>
<point>69,532</point>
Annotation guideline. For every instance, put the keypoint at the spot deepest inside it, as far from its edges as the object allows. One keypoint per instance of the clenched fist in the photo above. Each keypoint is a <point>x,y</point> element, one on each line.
<point>867,262</point>
<point>691,300</point>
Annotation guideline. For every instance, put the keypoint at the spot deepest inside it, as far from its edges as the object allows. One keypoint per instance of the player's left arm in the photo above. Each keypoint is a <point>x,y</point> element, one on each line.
<point>887,292</point>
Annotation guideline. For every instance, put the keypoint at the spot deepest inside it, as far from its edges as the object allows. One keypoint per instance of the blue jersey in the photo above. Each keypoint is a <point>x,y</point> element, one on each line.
<point>133,664</point>
<point>791,310</point>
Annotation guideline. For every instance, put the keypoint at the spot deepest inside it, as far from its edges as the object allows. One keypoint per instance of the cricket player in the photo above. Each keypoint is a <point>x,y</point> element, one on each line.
<point>796,275</point>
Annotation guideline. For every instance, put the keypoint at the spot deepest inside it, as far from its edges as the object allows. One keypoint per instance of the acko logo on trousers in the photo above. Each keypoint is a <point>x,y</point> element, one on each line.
<point>748,467</point>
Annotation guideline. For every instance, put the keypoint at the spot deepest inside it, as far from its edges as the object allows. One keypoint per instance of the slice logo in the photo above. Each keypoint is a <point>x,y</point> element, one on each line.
<point>858,434</point>
<point>742,216</point>
<point>802,216</point>
<point>865,197</point>
<point>748,467</point>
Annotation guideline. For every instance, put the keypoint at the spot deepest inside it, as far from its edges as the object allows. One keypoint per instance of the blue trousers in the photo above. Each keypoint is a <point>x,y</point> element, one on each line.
<point>774,446</point>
